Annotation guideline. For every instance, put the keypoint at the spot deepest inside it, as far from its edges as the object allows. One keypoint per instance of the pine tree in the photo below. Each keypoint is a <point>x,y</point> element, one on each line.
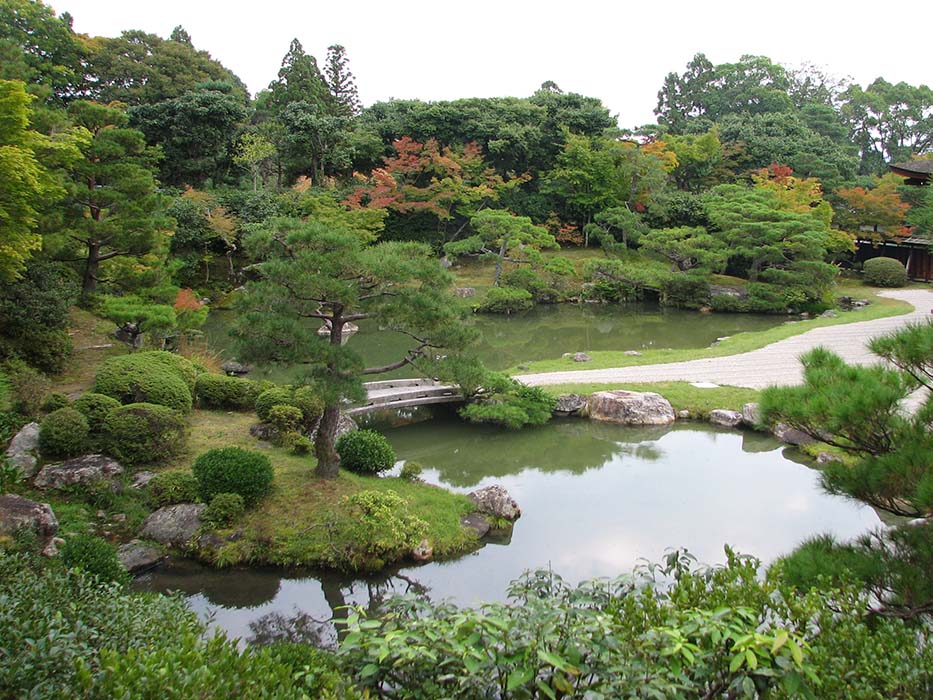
<point>341,82</point>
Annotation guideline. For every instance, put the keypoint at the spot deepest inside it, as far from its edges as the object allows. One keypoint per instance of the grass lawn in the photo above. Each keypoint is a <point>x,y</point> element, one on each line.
<point>880,307</point>
<point>682,395</point>
<point>93,344</point>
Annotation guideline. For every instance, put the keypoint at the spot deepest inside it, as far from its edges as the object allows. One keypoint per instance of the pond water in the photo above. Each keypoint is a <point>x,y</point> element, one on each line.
<point>596,499</point>
<point>545,332</point>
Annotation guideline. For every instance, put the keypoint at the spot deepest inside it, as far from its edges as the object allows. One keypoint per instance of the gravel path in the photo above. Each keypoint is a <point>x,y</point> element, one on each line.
<point>773,364</point>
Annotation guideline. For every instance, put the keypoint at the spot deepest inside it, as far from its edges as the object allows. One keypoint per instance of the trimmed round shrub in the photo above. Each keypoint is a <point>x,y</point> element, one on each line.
<point>307,399</point>
<point>64,433</point>
<point>365,452</point>
<point>285,419</point>
<point>221,391</point>
<point>55,401</point>
<point>277,396</point>
<point>147,377</point>
<point>885,272</point>
<point>95,408</point>
<point>233,470</point>
<point>411,471</point>
<point>301,445</point>
<point>224,510</point>
<point>506,300</point>
<point>95,556</point>
<point>171,487</point>
<point>143,433</point>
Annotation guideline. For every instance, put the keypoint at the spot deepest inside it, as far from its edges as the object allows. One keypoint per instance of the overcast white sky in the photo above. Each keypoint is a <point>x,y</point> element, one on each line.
<point>617,51</point>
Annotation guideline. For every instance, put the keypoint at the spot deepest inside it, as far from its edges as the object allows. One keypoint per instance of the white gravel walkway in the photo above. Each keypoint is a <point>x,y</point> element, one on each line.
<point>773,364</point>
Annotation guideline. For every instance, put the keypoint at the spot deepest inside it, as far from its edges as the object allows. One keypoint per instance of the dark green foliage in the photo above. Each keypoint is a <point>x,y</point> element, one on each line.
<point>28,387</point>
<point>317,668</point>
<point>285,419</point>
<point>224,510</point>
<point>885,272</point>
<point>533,283</point>
<point>365,452</point>
<point>505,401</point>
<point>95,408</point>
<point>221,391</point>
<point>95,556</point>
<point>171,487</point>
<point>308,400</point>
<point>64,433</point>
<point>685,291</point>
<point>148,377</point>
<point>301,445</point>
<point>55,401</point>
<point>233,470</point>
<point>33,314</point>
<point>277,396</point>
<point>505,300</point>
<point>143,433</point>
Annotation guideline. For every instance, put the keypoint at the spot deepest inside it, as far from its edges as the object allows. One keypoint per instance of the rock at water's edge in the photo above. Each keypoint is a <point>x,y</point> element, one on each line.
<point>751,416</point>
<point>791,436</point>
<point>495,501</point>
<point>138,556</point>
<point>569,404</point>
<point>725,417</point>
<point>630,408</point>
<point>174,525</point>
<point>477,523</point>
<point>17,512</point>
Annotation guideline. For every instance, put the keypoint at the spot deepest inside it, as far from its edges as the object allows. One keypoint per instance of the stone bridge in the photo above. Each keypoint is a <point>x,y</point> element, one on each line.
<point>405,393</point>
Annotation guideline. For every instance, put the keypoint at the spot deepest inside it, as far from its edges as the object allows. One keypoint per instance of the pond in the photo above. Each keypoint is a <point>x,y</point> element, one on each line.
<point>545,332</point>
<point>596,499</point>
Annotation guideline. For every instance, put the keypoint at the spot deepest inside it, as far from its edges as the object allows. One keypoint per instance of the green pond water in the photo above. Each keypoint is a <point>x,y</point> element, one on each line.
<point>596,499</point>
<point>545,332</point>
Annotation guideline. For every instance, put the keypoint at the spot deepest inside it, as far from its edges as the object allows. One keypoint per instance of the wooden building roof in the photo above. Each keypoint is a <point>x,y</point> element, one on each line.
<point>917,172</point>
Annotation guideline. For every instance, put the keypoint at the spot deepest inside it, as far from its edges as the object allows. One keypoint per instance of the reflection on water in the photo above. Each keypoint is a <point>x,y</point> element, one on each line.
<point>595,498</point>
<point>545,332</point>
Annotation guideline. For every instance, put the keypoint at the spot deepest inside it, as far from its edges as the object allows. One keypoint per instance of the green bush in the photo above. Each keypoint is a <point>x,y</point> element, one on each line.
<point>885,272</point>
<point>47,350</point>
<point>28,387</point>
<point>95,408</point>
<point>233,470</point>
<point>276,396</point>
<point>317,669</point>
<point>365,452</point>
<point>508,402</point>
<point>285,419</point>
<point>95,556</point>
<point>64,433</point>
<point>143,433</point>
<point>171,487</point>
<point>309,402</point>
<point>533,283</point>
<point>611,291</point>
<point>505,300</point>
<point>55,401</point>
<point>377,529</point>
<point>685,291</point>
<point>301,445</point>
<point>224,510</point>
<point>221,391</point>
<point>148,377</point>
<point>411,471</point>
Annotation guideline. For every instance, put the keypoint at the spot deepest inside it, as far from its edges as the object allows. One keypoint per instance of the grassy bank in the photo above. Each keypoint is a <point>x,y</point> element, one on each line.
<point>682,395</point>
<point>879,307</point>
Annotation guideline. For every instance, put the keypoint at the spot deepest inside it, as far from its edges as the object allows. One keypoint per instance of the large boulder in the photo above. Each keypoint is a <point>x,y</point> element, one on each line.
<point>174,525</point>
<point>139,556</point>
<point>751,415</point>
<point>569,404</point>
<point>476,522</point>
<point>345,424</point>
<point>17,513</point>
<point>495,501</point>
<point>581,357</point>
<point>791,436</point>
<point>80,471</point>
<point>23,450</point>
<point>236,369</point>
<point>725,417</point>
<point>629,408</point>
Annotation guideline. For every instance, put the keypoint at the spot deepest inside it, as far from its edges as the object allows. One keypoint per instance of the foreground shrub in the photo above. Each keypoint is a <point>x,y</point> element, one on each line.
<point>28,387</point>
<point>221,391</point>
<point>317,669</point>
<point>365,452</point>
<point>143,433</point>
<point>884,272</point>
<point>95,556</point>
<point>64,433</point>
<point>505,300</point>
<point>377,529</point>
<point>148,377</point>
<point>171,487</point>
<point>233,470</point>
<point>95,408</point>
<point>224,510</point>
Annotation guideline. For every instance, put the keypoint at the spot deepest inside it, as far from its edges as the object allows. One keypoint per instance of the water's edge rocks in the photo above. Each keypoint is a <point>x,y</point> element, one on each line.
<point>629,408</point>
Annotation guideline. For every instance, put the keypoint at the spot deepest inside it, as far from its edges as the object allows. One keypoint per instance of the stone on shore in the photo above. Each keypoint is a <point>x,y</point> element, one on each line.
<point>725,417</point>
<point>629,408</point>
<point>581,357</point>
<point>751,416</point>
<point>24,448</point>
<point>569,404</point>
<point>423,552</point>
<point>80,471</point>
<point>495,501</point>
<point>174,525</point>
<point>791,436</point>
<point>18,513</point>
<point>139,556</point>
<point>476,522</point>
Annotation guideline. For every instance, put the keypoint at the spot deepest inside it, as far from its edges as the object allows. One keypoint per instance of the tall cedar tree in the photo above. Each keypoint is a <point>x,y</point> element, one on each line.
<point>309,271</point>
<point>341,82</point>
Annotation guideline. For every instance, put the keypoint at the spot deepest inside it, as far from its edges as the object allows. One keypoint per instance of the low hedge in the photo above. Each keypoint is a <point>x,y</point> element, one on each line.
<point>143,433</point>
<point>148,377</point>
<point>221,391</point>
